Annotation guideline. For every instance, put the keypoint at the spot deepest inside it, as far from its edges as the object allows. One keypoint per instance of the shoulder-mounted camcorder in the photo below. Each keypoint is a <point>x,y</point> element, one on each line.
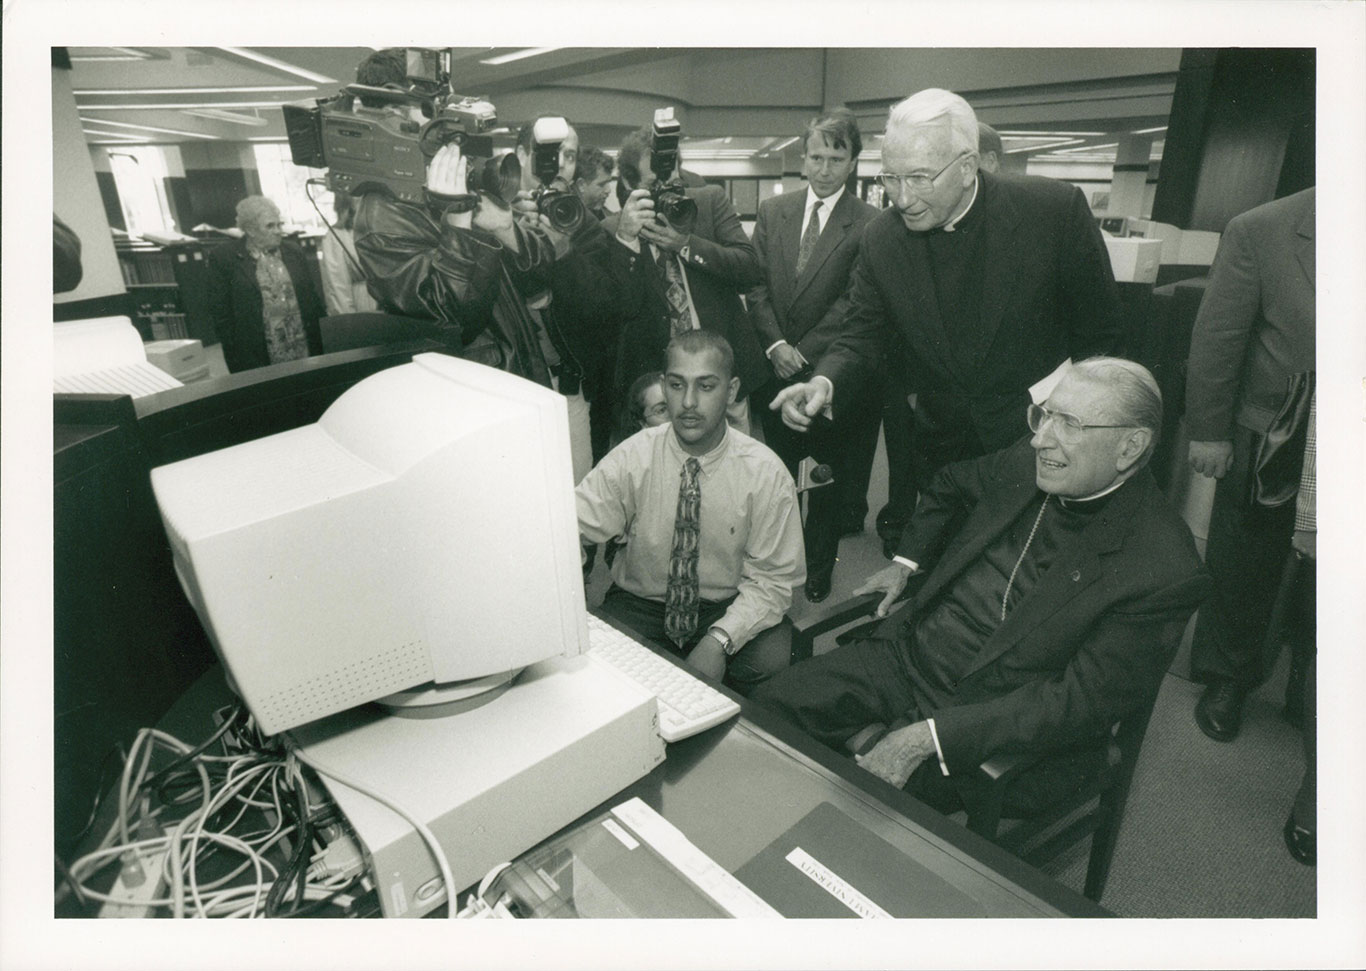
<point>367,146</point>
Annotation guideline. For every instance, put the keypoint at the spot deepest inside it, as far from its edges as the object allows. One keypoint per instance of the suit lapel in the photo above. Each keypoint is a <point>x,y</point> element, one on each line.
<point>835,227</point>
<point>993,516</point>
<point>1304,242</point>
<point>1075,570</point>
<point>1002,262</point>
<point>789,236</point>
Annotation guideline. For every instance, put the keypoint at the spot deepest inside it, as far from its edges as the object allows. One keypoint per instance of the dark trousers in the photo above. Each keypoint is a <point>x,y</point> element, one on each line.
<point>1304,641</point>
<point>1245,554</point>
<point>837,694</point>
<point>768,652</point>
<point>847,445</point>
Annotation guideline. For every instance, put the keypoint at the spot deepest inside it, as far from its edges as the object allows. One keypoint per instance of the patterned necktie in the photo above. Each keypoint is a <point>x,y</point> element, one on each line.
<point>813,233</point>
<point>680,601</point>
<point>680,318</point>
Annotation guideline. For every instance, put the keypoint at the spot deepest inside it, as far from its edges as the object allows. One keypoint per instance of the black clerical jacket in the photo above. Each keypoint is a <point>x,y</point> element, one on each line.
<point>1091,640</point>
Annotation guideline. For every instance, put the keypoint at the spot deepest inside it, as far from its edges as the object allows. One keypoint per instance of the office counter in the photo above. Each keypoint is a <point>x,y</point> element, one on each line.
<point>734,789</point>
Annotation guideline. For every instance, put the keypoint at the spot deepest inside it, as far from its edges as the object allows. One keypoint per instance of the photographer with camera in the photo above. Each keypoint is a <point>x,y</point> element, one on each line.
<point>444,260</point>
<point>571,298</point>
<point>680,262</point>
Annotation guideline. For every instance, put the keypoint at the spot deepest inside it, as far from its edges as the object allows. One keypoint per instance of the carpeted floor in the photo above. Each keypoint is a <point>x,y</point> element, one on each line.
<point>1202,831</point>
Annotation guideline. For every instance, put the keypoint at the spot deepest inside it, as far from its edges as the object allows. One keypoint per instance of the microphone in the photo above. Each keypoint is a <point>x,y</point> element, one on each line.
<point>813,475</point>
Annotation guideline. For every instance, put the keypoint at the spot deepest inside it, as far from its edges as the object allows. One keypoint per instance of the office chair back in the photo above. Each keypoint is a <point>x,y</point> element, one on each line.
<point>344,332</point>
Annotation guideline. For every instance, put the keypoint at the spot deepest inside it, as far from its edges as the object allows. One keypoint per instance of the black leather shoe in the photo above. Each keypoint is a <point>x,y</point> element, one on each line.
<point>1302,844</point>
<point>1219,712</point>
<point>818,586</point>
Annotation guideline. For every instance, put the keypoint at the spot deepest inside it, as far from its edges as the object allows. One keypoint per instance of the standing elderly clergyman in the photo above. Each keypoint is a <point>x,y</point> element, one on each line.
<point>1058,584</point>
<point>986,283</point>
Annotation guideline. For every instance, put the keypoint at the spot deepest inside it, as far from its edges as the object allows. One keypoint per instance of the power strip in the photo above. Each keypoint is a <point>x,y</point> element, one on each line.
<point>141,880</point>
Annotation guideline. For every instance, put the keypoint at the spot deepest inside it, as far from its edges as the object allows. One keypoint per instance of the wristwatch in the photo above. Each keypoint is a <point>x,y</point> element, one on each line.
<point>727,644</point>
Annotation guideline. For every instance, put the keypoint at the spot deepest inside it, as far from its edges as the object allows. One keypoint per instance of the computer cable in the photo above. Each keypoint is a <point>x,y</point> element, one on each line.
<point>433,845</point>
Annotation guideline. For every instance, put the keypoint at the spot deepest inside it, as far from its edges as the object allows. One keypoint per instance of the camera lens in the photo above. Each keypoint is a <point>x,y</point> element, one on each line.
<point>498,177</point>
<point>564,210</point>
<point>678,209</point>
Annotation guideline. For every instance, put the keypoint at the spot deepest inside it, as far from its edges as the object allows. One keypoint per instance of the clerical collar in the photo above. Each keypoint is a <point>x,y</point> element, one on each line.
<point>1094,501</point>
<point>952,224</point>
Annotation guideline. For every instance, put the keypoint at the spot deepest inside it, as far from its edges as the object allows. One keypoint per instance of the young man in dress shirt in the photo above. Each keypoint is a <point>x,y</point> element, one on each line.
<point>746,532</point>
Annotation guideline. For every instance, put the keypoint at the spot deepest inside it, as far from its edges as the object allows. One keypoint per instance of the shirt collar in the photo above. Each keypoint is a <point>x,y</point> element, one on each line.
<point>828,202</point>
<point>708,461</point>
<point>256,253</point>
<point>1080,502</point>
<point>952,224</point>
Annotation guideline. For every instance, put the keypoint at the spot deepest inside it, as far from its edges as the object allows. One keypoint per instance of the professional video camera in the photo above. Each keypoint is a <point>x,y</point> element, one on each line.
<point>366,149</point>
<point>668,192</point>
<point>553,198</point>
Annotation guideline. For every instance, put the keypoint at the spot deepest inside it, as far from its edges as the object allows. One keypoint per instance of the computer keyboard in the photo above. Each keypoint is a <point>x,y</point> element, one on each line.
<point>687,705</point>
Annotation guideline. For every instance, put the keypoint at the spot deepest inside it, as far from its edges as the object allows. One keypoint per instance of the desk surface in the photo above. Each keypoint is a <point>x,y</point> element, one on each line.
<point>735,788</point>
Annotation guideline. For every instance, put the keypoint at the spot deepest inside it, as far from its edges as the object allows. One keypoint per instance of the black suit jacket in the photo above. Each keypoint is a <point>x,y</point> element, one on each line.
<point>1093,638</point>
<point>1048,293</point>
<point>808,310</point>
<point>235,302</point>
<point>720,266</point>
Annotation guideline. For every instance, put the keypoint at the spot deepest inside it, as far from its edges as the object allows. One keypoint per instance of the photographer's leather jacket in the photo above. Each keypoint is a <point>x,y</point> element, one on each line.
<point>464,280</point>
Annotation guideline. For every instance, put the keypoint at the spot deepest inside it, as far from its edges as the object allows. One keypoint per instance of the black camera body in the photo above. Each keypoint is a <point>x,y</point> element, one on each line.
<point>554,199</point>
<point>669,195</point>
<point>367,149</point>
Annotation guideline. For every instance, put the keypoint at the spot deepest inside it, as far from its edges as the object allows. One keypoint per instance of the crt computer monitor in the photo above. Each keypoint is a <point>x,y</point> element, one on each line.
<point>418,543</point>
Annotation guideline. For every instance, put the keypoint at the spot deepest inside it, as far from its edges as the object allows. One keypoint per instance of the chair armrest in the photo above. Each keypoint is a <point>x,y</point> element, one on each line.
<point>806,630</point>
<point>1004,766</point>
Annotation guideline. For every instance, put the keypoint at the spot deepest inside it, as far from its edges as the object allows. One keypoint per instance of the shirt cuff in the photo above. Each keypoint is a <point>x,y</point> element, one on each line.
<point>934,735</point>
<point>769,350</point>
<point>904,561</point>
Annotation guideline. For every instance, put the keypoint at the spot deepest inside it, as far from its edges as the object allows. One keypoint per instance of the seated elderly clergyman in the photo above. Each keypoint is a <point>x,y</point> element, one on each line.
<point>1059,584</point>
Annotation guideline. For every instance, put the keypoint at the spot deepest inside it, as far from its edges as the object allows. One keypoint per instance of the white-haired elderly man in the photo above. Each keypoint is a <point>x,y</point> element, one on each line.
<point>1058,584</point>
<point>985,283</point>
<point>262,294</point>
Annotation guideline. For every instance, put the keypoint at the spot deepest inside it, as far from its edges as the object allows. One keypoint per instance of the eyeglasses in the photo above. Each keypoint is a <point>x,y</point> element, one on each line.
<point>1067,427</point>
<point>919,184</point>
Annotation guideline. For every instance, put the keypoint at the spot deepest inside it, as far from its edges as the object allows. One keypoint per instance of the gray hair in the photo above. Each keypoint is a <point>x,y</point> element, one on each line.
<point>1134,397</point>
<point>251,210</point>
<point>936,106</point>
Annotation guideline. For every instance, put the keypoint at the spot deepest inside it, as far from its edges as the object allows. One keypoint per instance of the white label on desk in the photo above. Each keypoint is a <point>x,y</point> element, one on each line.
<point>696,867</point>
<point>834,885</point>
<point>627,840</point>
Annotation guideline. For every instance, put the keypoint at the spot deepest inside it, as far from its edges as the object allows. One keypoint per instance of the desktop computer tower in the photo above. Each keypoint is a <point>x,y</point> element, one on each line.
<point>490,783</point>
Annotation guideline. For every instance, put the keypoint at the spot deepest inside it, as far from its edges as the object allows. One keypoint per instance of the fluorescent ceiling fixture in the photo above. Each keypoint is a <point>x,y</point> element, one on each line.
<point>516,55</point>
<point>164,131</point>
<point>230,117</point>
<point>783,144</point>
<point>1036,148</point>
<point>1054,134</point>
<point>184,107</point>
<point>1149,131</point>
<point>778,189</point>
<point>114,134</point>
<point>124,54</point>
<point>261,89</point>
<point>268,138</point>
<point>1089,148</point>
<point>298,72</point>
